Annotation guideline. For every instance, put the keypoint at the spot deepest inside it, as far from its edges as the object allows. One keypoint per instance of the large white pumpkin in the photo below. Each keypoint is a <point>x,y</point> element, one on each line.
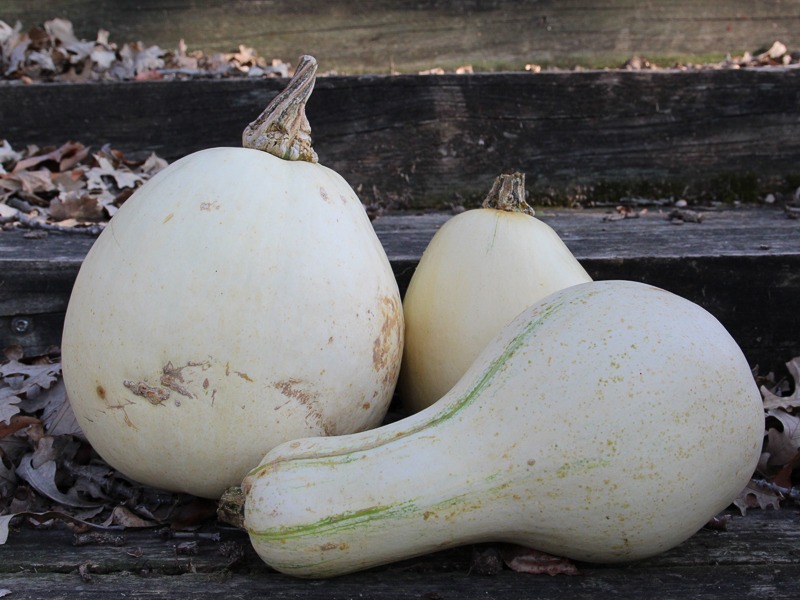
<point>236,301</point>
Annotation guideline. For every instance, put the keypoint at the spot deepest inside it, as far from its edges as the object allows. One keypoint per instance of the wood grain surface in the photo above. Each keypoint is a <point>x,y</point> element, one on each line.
<point>757,557</point>
<point>433,141</point>
<point>741,265</point>
<point>385,35</point>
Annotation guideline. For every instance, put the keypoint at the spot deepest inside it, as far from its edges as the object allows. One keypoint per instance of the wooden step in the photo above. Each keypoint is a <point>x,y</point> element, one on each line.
<point>754,557</point>
<point>384,35</point>
<point>430,141</point>
<point>743,265</point>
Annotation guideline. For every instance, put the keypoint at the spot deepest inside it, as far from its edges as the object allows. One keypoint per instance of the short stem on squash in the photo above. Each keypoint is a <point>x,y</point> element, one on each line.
<point>230,508</point>
<point>508,193</point>
<point>283,129</point>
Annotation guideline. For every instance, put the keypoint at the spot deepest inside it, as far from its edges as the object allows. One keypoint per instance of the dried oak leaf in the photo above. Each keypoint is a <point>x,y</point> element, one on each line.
<point>8,478</point>
<point>772,400</point>
<point>526,560</point>
<point>76,205</point>
<point>28,379</point>
<point>58,418</point>
<point>124,178</point>
<point>127,518</point>
<point>19,381</point>
<point>43,480</point>
<point>8,404</point>
<point>754,497</point>
<point>34,182</point>
<point>489,559</point>
<point>7,154</point>
<point>783,436</point>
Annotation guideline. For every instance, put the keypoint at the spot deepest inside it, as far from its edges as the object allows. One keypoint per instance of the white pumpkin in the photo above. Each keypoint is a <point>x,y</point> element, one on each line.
<point>236,301</point>
<point>608,422</point>
<point>480,270</point>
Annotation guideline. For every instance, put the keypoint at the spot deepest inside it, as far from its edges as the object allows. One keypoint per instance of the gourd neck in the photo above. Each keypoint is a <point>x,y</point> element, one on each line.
<point>508,194</point>
<point>282,129</point>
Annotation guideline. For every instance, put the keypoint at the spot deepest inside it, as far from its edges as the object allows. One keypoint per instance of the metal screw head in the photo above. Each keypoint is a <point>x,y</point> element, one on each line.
<point>20,324</point>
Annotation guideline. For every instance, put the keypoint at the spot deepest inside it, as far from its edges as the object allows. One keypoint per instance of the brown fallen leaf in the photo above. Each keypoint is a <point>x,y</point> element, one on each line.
<point>42,479</point>
<point>490,559</point>
<point>16,423</point>
<point>526,560</point>
<point>783,436</point>
<point>127,518</point>
<point>773,401</point>
<point>754,497</point>
<point>77,205</point>
<point>718,523</point>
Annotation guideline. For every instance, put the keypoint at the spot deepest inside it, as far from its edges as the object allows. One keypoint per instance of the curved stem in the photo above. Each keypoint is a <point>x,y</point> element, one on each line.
<point>230,508</point>
<point>508,193</point>
<point>283,129</point>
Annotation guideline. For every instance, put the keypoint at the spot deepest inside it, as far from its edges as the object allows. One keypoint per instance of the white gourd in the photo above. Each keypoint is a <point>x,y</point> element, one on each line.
<point>236,301</point>
<point>479,271</point>
<point>608,422</point>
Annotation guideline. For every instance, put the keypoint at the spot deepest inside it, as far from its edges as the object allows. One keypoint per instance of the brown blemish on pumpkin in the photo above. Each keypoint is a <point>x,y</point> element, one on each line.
<point>328,546</point>
<point>324,195</point>
<point>209,206</point>
<point>292,389</point>
<point>172,378</point>
<point>121,407</point>
<point>153,394</point>
<point>101,391</point>
<point>386,347</point>
<point>168,217</point>
<point>128,421</point>
<point>366,406</point>
<point>244,376</point>
<point>334,546</point>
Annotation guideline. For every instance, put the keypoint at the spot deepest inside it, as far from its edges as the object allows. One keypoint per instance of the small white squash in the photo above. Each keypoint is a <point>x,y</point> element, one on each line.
<point>607,423</point>
<point>236,301</point>
<point>480,270</point>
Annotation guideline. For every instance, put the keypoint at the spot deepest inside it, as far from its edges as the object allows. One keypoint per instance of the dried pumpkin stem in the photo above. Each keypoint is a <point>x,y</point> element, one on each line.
<point>283,129</point>
<point>508,193</point>
<point>230,508</point>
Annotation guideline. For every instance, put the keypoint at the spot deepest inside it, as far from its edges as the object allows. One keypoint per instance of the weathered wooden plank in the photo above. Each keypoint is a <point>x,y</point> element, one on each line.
<point>388,34</point>
<point>428,141</point>
<point>741,265</point>
<point>756,557</point>
<point>710,583</point>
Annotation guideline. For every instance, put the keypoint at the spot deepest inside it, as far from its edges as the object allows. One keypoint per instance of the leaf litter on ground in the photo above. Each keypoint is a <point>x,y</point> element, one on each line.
<point>68,188</point>
<point>51,51</point>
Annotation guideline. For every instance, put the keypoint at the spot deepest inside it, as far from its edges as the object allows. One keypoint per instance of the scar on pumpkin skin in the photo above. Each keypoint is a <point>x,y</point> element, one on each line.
<point>383,350</point>
<point>291,388</point>
<point>153,394</point>
<point>101,392</point>
<point>172,378</point>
